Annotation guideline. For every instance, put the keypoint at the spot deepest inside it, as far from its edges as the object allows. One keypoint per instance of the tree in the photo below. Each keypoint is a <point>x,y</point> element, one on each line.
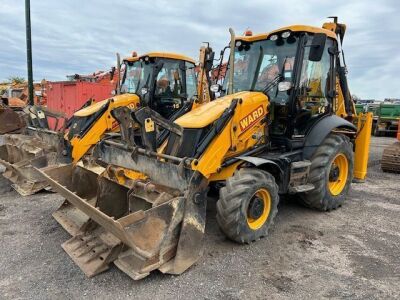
<point>16,79</point>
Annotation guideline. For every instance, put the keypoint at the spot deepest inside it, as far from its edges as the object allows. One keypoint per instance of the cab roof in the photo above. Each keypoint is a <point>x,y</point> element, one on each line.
<point>163,55</point>
<point>294,28</point>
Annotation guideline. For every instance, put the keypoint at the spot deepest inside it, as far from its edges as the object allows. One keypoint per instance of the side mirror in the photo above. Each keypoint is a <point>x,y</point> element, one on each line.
<point>284,86</point>
<point>215,88</point>
<point>317,47</point>
<point>209,60</point>
<point>144,91</point>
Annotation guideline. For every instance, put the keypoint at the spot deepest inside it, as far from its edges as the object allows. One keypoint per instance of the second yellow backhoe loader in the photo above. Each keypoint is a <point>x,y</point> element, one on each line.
<point>283,126</point>
<point>165,82</point>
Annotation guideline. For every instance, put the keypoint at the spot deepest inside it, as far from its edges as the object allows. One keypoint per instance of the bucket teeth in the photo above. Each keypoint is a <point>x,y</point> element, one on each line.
<point>94,251</point>
<point>111,223</point>
<point>71,218</point>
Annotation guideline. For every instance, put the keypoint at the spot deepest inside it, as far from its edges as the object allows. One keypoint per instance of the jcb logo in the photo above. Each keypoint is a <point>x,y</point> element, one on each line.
<point>251,118</point>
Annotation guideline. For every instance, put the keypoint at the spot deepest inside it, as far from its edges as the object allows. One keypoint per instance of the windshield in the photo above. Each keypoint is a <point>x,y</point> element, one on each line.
<point>136,76</point>
<point>261,65</point>
<point>175,85</point>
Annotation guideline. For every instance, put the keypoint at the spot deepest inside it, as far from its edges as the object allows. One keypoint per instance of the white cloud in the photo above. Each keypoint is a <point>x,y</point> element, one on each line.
<point>83,36</point>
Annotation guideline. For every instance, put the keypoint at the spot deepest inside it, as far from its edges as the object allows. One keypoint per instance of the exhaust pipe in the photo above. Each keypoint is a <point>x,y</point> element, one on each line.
<point>119,74</point>
<point>231,60</point>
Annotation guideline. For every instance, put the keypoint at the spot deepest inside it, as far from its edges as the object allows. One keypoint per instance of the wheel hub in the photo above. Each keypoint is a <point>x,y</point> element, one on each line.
<point>334,173</point>
<point>256,208</point>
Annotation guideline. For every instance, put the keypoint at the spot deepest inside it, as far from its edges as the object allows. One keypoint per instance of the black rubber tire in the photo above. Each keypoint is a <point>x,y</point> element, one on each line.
<point>373,130</point>
<point>376,131</point>
<point>234,200</point>
<point>321,198</point>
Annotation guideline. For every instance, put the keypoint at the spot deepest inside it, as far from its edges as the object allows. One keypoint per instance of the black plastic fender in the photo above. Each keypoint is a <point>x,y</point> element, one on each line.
<point>267,165</point>
<point>320,130</point>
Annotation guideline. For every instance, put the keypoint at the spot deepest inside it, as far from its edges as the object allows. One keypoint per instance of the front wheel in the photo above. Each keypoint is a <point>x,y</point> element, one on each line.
<point>247,205</point>
<point>331,173</point>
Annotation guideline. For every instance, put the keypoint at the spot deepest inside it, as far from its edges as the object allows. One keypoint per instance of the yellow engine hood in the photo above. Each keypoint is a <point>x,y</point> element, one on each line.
<point>209,112</point>
<point>119,100</point>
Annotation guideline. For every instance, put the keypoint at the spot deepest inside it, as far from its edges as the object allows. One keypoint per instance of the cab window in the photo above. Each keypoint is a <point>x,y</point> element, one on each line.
<point>169,94</point>
<point>169,80</point>
<point>191,82</point>
<point>314,81</point>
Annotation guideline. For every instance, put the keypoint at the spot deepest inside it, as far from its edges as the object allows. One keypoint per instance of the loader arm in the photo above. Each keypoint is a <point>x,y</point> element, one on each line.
<point>96,120</point>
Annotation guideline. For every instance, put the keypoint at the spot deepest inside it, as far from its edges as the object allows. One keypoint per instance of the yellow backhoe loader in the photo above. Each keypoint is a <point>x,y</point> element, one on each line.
<point>283,126</point>
<point>165,82</point>
<point>168,97</point>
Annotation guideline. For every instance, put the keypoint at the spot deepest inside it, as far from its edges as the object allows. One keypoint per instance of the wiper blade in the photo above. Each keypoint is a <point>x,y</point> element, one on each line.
<point>272,83</point>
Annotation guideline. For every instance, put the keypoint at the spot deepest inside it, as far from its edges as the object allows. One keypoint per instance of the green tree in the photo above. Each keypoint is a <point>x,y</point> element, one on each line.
<point>16,79</point>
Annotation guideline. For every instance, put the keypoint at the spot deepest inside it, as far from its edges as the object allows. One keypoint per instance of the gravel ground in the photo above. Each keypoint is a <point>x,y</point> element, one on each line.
<point>352,252</point>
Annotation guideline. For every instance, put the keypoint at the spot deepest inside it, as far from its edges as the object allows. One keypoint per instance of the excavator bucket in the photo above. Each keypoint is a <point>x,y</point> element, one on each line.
<point>17,151</point>
<point>140,225</point>
<point>83,181</point>
<point>16,154</point>
<point>10,120</point>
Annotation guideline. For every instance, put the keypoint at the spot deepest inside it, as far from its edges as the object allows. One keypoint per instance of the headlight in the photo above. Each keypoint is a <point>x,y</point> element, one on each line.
<point>285,34</point>
<point>273,37</point>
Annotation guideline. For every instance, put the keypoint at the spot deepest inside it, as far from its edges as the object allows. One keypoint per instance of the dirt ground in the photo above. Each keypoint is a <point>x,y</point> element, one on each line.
<point>353,252</point>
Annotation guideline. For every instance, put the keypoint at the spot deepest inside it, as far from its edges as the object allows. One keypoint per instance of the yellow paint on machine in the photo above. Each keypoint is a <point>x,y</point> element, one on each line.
<point>80,145</point>
<point>251,118</point>
<point>233,139</point>
<point>363,139</point>
<point>170,55</point>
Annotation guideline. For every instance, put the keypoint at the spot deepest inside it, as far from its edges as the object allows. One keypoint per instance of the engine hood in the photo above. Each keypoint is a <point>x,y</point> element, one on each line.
<point>211,111</point>
<point>119,100</point>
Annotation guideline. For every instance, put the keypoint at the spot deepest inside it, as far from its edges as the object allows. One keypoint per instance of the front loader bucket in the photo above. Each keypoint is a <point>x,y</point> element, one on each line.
<point>10,120</point>
<point>140,226</point>
<point>16,154</point>
<point>83,181</point>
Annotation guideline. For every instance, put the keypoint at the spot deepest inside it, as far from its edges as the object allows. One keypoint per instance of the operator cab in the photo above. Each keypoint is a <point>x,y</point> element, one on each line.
<point>294,68</point>
<point>164,82</point>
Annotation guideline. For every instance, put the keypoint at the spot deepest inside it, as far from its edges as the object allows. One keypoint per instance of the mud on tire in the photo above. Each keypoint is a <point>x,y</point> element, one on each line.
<point>233,204</point>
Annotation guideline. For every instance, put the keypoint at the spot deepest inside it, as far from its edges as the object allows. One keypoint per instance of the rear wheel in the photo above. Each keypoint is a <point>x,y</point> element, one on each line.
<point>375,130</point>
<point>247,205</point>
<point>331,173</point>
<point>374,126</point>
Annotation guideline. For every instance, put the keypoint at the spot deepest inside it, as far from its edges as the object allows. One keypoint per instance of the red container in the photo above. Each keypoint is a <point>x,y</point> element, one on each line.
<point>69,96</point>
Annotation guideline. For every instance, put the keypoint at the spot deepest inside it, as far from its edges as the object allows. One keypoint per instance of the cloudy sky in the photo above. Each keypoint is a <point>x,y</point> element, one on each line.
<point>77,36</point>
